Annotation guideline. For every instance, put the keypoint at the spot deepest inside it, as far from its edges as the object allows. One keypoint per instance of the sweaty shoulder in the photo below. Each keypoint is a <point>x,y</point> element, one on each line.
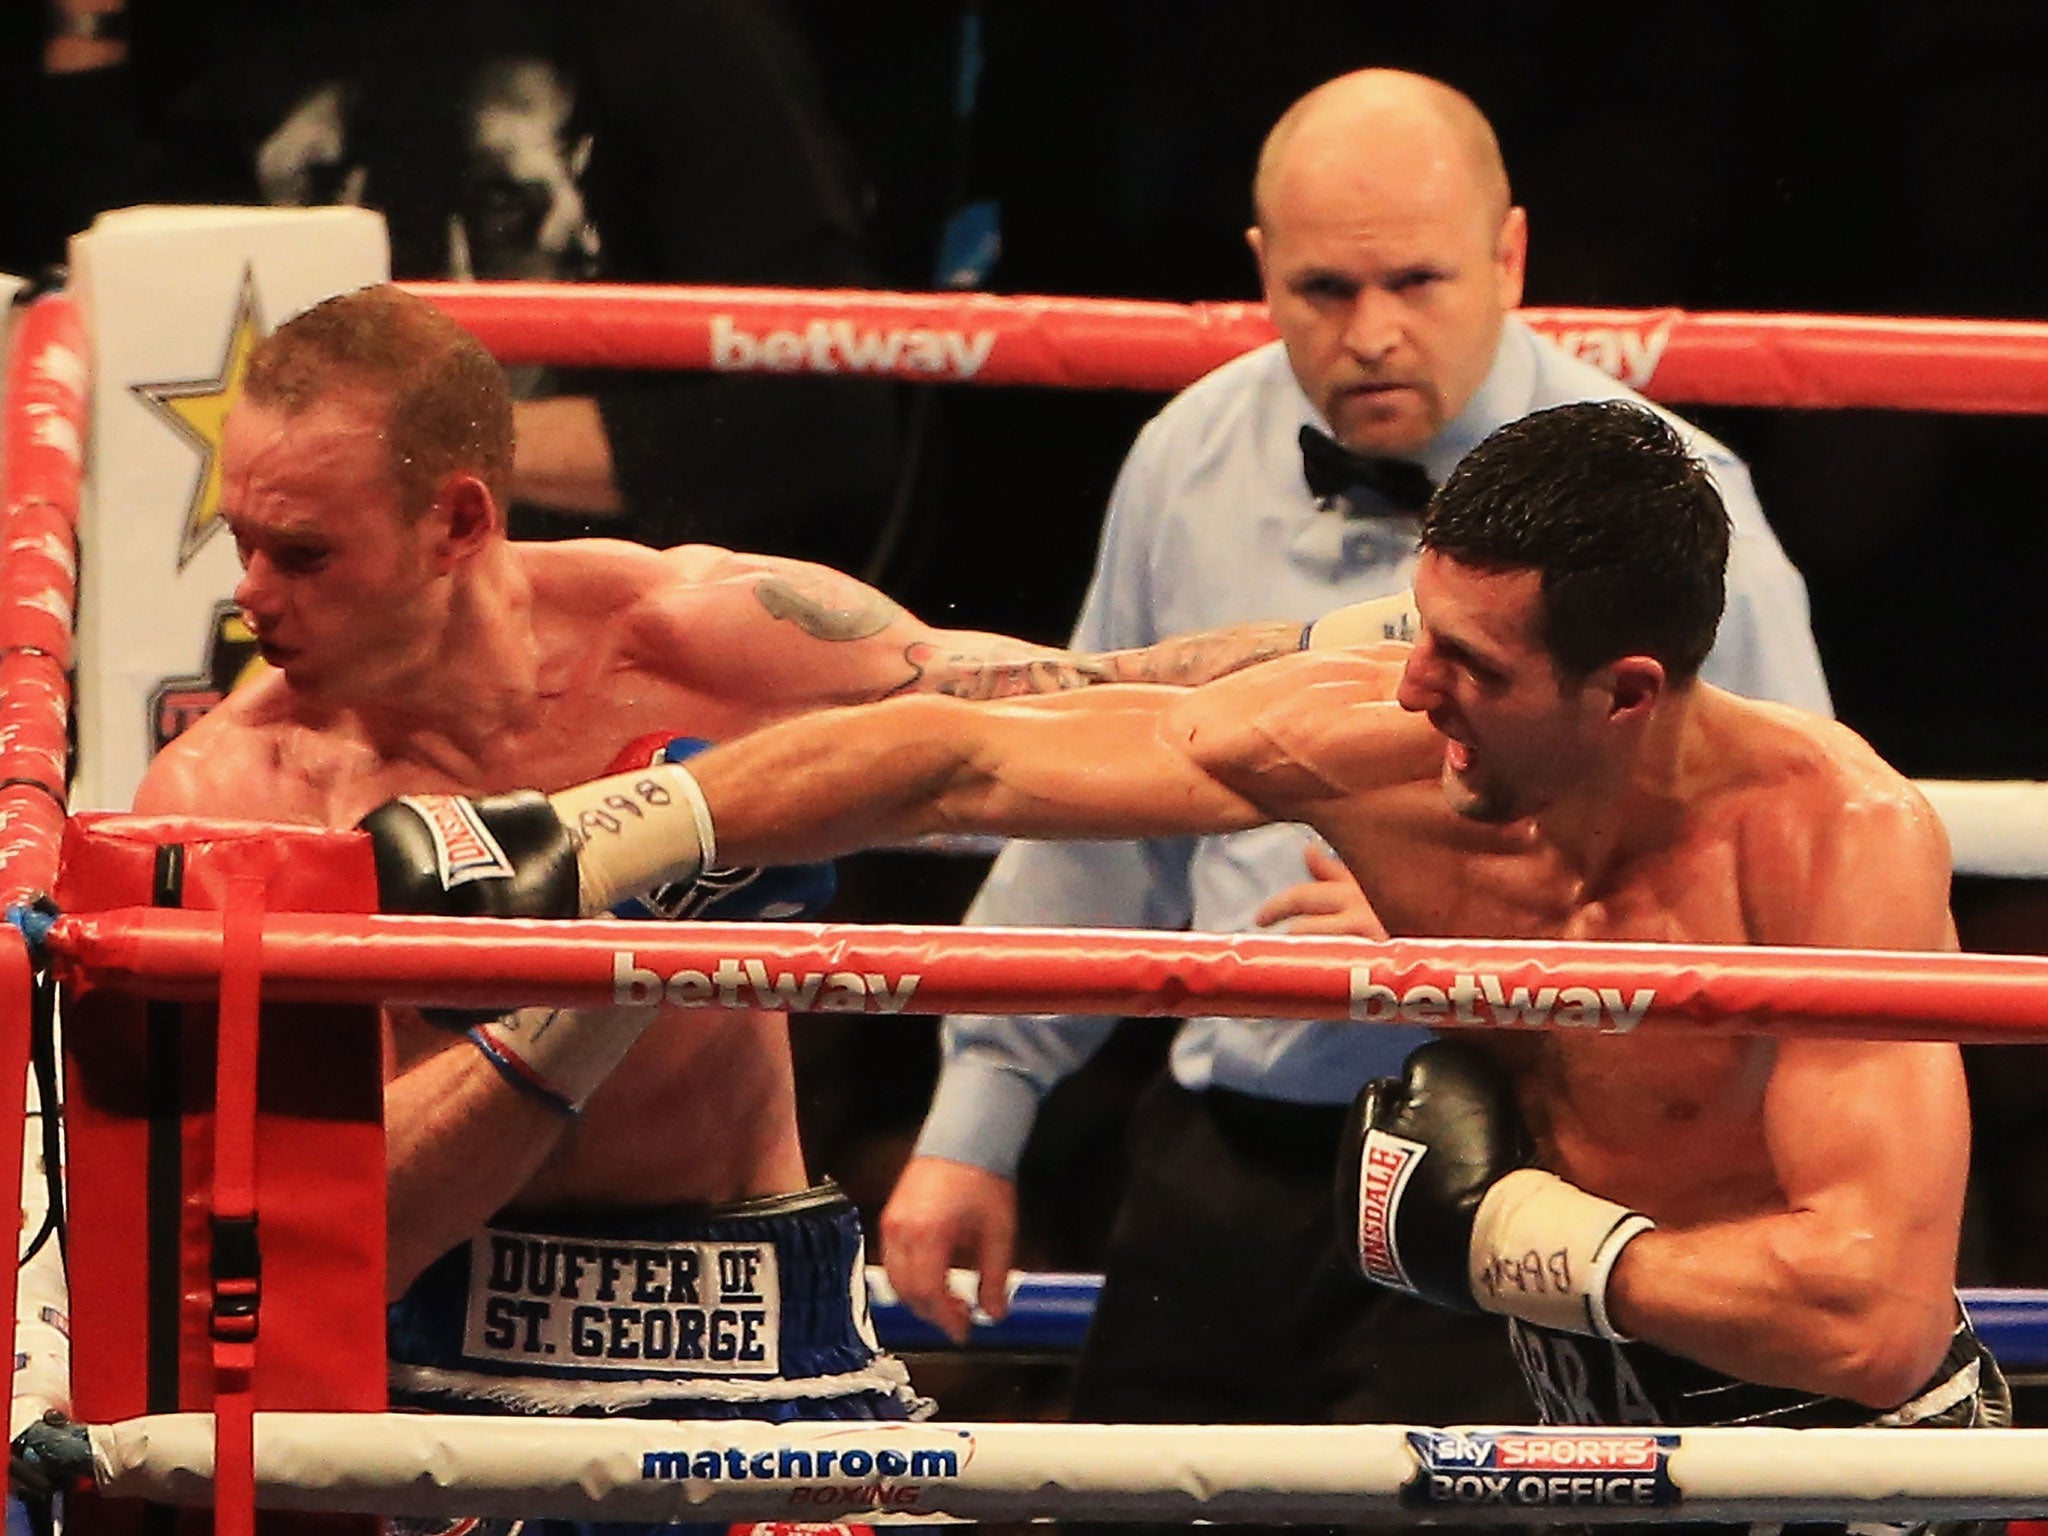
<point>228,763</point>
<point>705,581</point>
<point>723,623</point>
<point>1307,728</point>
<point>1835,846</point>
<point>599,575</point>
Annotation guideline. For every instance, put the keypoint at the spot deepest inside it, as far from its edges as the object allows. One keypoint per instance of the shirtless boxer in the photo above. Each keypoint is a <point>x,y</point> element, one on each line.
<point>414,651</point>
<point>1544,764</point>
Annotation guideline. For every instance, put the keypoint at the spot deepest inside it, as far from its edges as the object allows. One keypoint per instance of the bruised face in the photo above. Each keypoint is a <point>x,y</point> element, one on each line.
<point>339,587</point>
<point>1516,736</point>
<point>1388,277</point>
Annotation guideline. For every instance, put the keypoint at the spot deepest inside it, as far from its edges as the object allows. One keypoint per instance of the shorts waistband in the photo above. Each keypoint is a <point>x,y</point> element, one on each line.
<point>760,1291</point>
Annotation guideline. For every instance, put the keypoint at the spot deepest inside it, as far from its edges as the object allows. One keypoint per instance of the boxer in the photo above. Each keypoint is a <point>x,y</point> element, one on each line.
<point>1780,1215</point>
<point>651,1229</point>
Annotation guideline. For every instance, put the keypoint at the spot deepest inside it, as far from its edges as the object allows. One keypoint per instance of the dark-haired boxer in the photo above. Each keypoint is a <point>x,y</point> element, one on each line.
<point>1543,763</point>
<point>413,651</point>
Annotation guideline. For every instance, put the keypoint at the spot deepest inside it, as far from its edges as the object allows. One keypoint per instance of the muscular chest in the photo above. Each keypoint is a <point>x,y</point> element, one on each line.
<point>1662,1118</point>
<point>1430,873</point>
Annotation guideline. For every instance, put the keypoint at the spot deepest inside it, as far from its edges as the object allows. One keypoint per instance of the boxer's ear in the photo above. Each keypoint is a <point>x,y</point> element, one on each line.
<point>470,511</point>
<point>1634,684</point>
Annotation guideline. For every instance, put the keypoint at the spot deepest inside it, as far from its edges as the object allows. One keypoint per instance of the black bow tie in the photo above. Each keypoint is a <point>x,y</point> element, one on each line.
<point>1333,469</point>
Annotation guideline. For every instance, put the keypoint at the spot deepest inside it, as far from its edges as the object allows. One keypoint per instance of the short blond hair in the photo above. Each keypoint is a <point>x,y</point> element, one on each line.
<point>450,406</point>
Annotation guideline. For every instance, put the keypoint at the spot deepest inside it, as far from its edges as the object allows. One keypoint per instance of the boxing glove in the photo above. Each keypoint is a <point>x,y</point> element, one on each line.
<point>531,855</point>
<point>744,893</point>
<point>450,856</point>
<point>1436,1197</point>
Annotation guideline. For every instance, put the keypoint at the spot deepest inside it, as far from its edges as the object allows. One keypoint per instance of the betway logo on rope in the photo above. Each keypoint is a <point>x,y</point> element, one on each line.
<point>836,346</point>
<point>747,982</point>
<point>1629,353</point>
<point>1483,998</point>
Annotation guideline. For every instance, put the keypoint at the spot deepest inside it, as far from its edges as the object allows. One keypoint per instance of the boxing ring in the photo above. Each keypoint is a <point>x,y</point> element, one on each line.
<point>94,915</point>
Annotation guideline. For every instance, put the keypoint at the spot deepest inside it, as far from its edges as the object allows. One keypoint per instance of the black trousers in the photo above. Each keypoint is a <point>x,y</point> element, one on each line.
<point>1227,1300</point>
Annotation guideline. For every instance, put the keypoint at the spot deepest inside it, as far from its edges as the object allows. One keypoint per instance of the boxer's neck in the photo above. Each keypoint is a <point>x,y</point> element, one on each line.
<point>470,684</point>
<point>1633,802</point>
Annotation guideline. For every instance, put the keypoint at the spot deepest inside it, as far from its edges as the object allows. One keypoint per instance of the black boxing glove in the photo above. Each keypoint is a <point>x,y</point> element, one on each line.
<point>1436,1197</point>
<point>504,856</point>
<point>51,1456</point>
<point>450,856</point>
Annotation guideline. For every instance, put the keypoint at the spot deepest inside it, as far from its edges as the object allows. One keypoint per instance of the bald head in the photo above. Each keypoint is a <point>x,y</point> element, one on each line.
<point>1389,254</point>
<point>1390,129</point>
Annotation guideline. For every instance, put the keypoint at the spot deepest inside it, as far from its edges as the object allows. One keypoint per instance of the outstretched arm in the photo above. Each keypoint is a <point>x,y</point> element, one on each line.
<point>801,635</point>
<point>1099,764</point>
<point>1204,657</point>
<point>1308,739</point>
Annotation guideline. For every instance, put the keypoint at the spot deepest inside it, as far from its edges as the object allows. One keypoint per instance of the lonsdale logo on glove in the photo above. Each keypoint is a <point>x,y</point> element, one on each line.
<point>1483,998</point>
<point>1437,1177</point>
<point>1385,1166</point>
<point>464,849</point>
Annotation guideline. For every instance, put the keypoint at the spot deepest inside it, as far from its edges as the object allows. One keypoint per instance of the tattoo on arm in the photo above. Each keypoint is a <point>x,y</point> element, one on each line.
<point>968,674</point>
<point>784,600</point>
<point>1192,659</point>
<point>1006,670</point>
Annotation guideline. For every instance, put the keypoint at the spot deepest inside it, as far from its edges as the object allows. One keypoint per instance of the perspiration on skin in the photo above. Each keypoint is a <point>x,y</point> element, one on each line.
<point>412,649</point>
<point>1801,1241</point>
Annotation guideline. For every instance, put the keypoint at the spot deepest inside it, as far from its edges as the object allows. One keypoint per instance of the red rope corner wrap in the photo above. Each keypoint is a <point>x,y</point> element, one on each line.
<point>237,1274</point>
<point>42,459</point>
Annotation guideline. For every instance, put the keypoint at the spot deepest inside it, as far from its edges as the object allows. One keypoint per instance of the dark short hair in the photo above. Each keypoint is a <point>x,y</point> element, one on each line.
<point>450,404</point>
<point>1623,524</point>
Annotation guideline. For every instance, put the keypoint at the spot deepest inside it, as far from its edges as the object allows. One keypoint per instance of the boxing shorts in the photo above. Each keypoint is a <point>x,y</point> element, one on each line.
<point>754,1310</point>
<point>1576,1379</point>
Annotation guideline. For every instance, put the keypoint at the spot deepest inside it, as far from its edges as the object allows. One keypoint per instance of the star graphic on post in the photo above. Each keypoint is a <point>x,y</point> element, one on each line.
<point>196,408</point>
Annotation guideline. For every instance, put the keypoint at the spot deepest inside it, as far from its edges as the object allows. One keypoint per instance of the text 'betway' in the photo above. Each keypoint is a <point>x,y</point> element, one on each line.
<point>1483,998</point>
<point>741,982</point>
<point>835,346</point>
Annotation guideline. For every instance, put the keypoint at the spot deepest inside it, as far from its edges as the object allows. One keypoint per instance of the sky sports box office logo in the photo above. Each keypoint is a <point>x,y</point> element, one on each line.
<point>1537,1469</point>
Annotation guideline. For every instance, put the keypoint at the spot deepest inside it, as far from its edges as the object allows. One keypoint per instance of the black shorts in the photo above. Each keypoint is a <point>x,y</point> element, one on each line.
<point>1581,1380</point>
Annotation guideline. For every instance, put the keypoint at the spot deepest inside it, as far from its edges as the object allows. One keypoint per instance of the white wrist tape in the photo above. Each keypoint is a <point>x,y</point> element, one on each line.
<point>1366,623</point>
<point>560,1055</point>
<point>1542,1250</point>
<point>636,831</point>
<point>42,1299</point>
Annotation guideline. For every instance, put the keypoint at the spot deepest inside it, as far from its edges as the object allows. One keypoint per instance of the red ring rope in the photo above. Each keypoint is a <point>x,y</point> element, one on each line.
<point>1797,361</point>
<point>882,969</point>
<point>41,460</point>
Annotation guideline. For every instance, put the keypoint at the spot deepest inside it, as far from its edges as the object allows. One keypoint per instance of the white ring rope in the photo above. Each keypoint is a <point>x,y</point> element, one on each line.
<point>1994,828</point>
<point>642,1470</point>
